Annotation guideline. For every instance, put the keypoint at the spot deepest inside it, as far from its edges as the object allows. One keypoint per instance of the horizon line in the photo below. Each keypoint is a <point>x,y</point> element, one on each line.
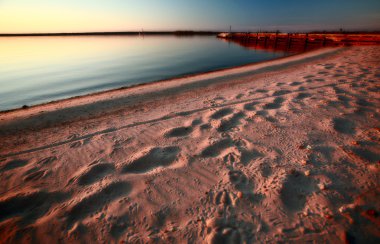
<point>177,32</point>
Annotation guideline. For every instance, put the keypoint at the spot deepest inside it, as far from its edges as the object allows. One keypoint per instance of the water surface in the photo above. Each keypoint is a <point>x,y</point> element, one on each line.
<point>35,70</point>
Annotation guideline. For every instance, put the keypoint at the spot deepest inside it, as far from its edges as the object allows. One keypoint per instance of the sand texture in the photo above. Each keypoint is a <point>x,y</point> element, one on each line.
<point>282,151</point>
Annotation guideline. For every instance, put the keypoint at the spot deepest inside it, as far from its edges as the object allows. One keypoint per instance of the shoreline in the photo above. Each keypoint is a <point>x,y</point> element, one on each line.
<point>77,100</point>
<point>179,77</point>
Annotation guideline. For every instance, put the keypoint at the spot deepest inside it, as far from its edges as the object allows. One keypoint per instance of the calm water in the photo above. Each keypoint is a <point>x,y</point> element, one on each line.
<point>35,70</point>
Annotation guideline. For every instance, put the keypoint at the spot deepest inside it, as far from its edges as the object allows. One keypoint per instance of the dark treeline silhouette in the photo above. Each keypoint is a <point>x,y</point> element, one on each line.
<point>178,33</point>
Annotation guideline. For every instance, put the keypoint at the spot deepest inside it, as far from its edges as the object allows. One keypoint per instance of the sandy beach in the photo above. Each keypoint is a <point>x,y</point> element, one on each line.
<point>280,151</point>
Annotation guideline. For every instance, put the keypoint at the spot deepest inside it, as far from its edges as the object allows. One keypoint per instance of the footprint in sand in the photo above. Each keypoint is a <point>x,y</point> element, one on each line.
<point>277,103</point>
<point>179,132</point>
<point>223,229</point>
<point>33,176</point>
<point>301,88</point>
<point>329,66</point>
<point>196,122</point>
<point>240,95</point>
<point>344,100</point>
<point>31,206</point>
<point>231,123</point>
<point>344,126</point>
<point>119,226</point>
<point>154,158</point>
<point>309,80</point>
<point>215,149</point>
<point>221,113</point>
<point>205,126</point>
<point>302,95</point>
<point>295,83</point>
<point>280,93</point>
<point>223,198</point>
<point>250,106</point>
<point>363,102</point>
<point>224,234</point>
<point>295,190</point>
<point>47,160</point>
<point>261,91</point>
<point>338,90</point>
<point>13,165</point>
<point>265,170</point>
<point>95,173</point>
<point>238,179</point>
<point>231,159</point>
<point>97,201</point>
<point>367,155</point>
<point>323,73</point>
<point>241,183</point>
<point>248,155</point>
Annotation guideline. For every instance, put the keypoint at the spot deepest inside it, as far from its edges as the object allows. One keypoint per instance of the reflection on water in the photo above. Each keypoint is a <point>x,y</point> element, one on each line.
<point>34,70</point>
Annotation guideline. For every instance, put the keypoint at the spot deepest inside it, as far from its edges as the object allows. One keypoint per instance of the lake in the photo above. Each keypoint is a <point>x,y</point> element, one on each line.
<point>35,70</point>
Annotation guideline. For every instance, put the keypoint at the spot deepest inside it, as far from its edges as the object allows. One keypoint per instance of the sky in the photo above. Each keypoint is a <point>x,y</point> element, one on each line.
<point>46,16</point>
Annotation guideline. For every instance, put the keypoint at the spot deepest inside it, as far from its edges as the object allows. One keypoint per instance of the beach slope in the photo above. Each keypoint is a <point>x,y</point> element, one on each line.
<point>282,151</point>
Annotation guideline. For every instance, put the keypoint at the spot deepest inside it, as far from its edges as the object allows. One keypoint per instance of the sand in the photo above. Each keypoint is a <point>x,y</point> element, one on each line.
<point>281,151</point>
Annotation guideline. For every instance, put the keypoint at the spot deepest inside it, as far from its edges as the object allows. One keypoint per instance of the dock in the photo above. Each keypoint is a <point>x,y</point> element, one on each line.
<point>299,41</point>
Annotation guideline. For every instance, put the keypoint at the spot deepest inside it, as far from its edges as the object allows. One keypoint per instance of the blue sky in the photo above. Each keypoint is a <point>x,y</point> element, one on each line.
<point>243,15</point>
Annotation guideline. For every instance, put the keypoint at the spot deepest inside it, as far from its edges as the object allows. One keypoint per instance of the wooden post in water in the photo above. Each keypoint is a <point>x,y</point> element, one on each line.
<point>257,38</point>
<point>275,40</point>
<point>265,40</point>
<point>289,41</point>
<point>324,41</point>
<point>306,41</point>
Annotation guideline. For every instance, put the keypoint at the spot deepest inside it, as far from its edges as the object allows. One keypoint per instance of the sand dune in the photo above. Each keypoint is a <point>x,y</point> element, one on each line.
<point>282,151</point>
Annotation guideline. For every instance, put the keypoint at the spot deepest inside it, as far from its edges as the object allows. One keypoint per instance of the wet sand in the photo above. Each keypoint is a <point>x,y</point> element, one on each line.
<point>281,151</point>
